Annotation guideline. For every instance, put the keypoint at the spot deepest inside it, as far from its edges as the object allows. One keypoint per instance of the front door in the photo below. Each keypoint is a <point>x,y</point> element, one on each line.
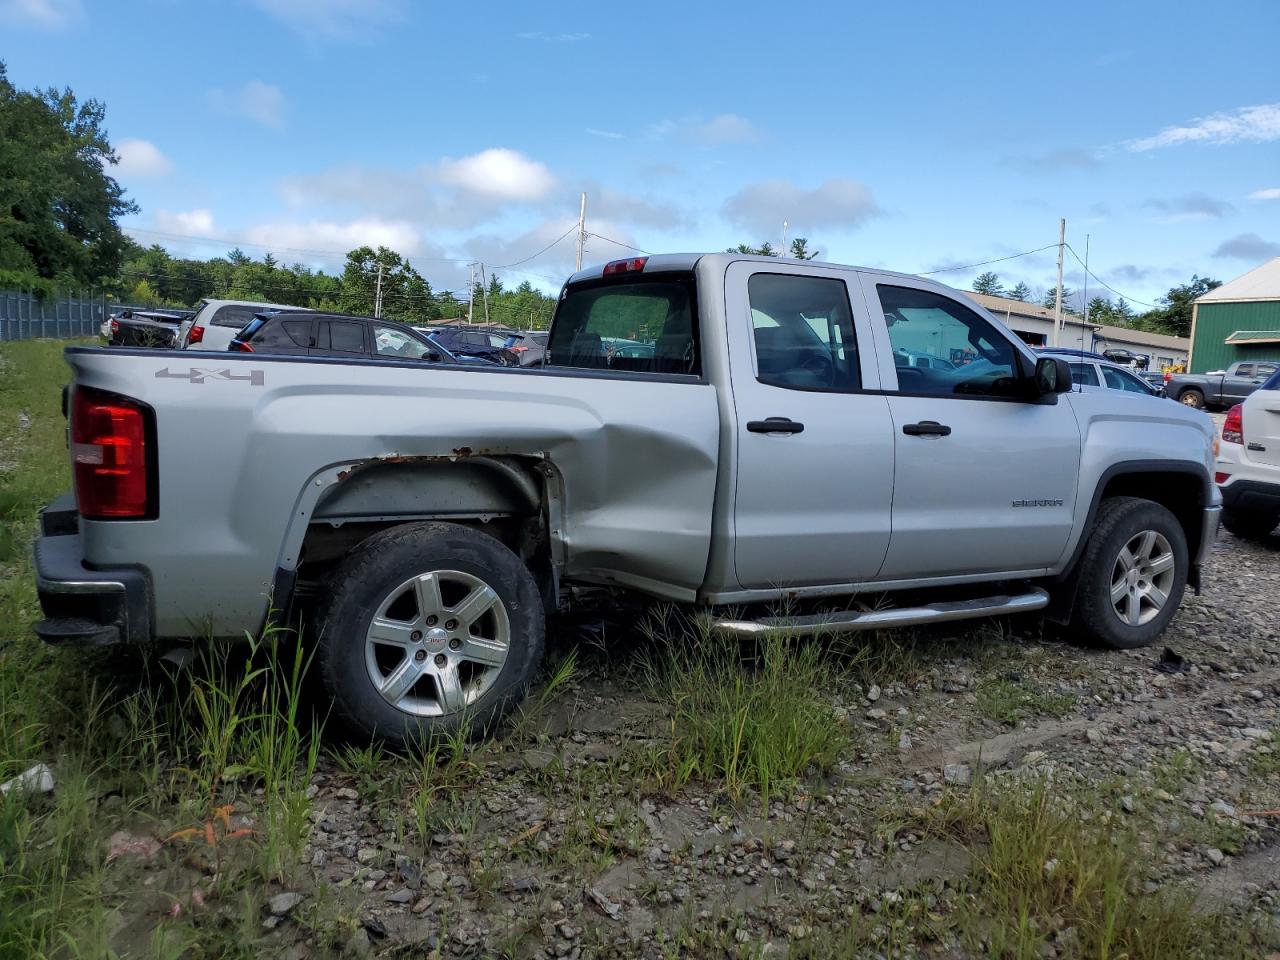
<point>985,480</point>
<point>814,451</point>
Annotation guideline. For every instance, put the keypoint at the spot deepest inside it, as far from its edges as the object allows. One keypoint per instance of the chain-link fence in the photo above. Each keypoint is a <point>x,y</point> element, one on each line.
<point>23,316</point>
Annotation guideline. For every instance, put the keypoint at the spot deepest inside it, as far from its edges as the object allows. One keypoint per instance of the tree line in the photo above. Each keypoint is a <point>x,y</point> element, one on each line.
<point>1171,315</point>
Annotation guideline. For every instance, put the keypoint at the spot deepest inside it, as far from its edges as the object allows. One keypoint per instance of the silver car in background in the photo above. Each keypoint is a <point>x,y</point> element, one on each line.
<point>217,321</point>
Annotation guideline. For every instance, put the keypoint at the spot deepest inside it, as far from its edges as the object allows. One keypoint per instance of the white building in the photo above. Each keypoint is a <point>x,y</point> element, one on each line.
<point>1034,324</point>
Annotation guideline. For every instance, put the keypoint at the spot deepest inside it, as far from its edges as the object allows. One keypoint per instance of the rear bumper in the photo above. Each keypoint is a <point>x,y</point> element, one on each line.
<point>81,604</point>
<point>1255,495</point>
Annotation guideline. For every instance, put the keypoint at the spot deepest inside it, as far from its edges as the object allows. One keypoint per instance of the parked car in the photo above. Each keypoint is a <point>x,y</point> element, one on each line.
<point>425,519</point>
<point>1220,388</point>
<point>304,333</point>
<point>526,349</point>
<point>144,328</point>
<point>1248,467</point>
<point>1155,378</point>
<point>217,321</point>
<point>911,358</point>
<point>1087,371</point>
<point>488,343</point>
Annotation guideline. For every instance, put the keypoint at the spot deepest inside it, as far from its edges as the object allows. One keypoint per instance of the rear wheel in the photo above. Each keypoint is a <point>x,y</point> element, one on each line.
<point>1249,524</point>
<point>1133,574</point>
<point>431,629</point>
<point>1192,398</point>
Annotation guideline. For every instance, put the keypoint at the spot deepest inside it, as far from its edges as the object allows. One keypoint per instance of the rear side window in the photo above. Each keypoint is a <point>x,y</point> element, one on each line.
<point>1083,373</point>
<point>803,332</point>
<point>652,317</point>
<point>1273,383</point>
<point>1119,380</point>
<point>234,315</point>
<point>282,334</point>
<point>342,336</point>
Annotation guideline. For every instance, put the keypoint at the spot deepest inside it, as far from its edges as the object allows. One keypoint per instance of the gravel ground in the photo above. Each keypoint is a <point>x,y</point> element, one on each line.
<point>547,847</point>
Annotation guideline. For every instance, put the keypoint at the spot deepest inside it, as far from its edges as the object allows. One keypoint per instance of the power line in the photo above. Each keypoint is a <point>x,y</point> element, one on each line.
<point>534,256</point>
<point>619,243</point>
<point>1088,272</point>
<point>967,266</point>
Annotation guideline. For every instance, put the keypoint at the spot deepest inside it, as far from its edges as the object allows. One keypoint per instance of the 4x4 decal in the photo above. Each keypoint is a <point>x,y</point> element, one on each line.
<point>200,374</point>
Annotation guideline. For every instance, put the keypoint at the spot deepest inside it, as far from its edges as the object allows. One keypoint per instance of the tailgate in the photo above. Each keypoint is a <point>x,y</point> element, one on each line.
<point>1262,427</point>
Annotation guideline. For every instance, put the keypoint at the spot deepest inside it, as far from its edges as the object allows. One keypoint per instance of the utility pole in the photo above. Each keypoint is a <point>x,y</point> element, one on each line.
<point>1057,297</point>
<point>783,251</point>
<point>484,292</point>
<point>377,296</point>
<point>582,228</point>
<point>1085,296</point>
<point>471,292</point>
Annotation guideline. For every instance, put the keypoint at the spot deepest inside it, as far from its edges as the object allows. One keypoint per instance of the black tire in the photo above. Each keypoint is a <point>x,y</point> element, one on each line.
<point>1119,520</point>
<point>1249,524</point>
<point>1193,398</point>
<point>370,574</point>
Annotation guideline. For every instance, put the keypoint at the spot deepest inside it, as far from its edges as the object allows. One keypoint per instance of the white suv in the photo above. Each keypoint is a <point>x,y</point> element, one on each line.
<point>1248,468</point>
<point>218,321</point>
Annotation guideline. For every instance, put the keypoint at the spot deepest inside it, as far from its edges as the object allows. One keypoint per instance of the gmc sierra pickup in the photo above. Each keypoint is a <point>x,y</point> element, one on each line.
<point>768,447</point>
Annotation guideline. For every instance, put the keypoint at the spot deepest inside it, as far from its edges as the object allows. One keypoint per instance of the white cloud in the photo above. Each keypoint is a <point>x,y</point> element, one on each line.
<point>332,235</point>
<point>761,207</point>
<point>1248,246</point>
<point>1256,124</point>
<point>261,102</point>
<point>141,158</point>
<point>1269,193</point>
<point>606,134</point>
<point>334,19</point>
<point>498,172</point>
<point>48,14</point>
<point>187,223</point>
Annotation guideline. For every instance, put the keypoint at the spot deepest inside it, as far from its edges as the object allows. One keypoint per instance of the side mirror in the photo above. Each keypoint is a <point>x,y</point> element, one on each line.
<point>433,357</point>
<point>1053,375</point>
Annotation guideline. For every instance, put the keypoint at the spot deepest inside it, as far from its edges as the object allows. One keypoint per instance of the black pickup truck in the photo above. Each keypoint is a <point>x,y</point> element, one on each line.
<point>1220,388</point>
<point>146,328</point>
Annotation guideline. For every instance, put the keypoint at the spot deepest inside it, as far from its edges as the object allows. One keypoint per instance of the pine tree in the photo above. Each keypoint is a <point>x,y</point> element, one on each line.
<point>1020,292</point>
<point>989,284</point>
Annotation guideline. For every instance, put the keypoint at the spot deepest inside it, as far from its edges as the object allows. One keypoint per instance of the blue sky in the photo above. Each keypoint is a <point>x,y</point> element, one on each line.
<point>913,136</point>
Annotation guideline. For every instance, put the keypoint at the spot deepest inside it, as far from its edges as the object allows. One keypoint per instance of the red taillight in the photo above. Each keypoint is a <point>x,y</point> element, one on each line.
<point>1168,375</point>
<point>1221,478</point>
<point>630,265</point>
<point>1233,426</point>
<point>196,335</point>
<point>110,455</point>
<point>115,326</point>
<point>241,346</point>
<point>519,349</point>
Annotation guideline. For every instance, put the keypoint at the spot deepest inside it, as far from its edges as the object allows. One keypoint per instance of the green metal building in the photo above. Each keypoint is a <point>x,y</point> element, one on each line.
<point>1238,321</point>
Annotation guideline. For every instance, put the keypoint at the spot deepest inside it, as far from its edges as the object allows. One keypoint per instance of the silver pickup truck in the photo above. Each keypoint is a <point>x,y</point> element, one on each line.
<point>756,444</point>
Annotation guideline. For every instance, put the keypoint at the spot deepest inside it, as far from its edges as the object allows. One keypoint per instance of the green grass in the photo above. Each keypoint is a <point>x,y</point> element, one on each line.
<point>1011,702</point>
<point>172,753</point>
<point>1049,858</point>
<point>757,719</point>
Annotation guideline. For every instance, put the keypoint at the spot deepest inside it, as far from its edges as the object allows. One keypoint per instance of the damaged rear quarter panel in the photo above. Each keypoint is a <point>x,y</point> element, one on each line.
<point>240,465</point>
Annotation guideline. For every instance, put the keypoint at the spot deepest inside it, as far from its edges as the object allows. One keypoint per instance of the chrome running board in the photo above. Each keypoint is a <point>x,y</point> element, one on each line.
<point>855,621</point>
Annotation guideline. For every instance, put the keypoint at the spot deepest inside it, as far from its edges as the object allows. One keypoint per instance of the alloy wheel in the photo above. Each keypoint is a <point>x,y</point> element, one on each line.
<point>437,643</point>
<point>1142,578</point>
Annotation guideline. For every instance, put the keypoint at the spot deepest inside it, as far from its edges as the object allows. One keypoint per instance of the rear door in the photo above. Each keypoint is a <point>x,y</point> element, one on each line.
<point>340,338</point>
<point>814,447</point>
<point>985,477</point>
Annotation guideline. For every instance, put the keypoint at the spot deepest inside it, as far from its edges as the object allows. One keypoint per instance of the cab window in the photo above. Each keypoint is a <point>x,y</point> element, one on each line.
<point>655,314</point>
<point>964,355</point>
<point>1084,374</point>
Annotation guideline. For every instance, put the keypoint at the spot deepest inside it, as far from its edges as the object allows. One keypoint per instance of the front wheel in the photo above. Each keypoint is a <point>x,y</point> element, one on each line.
<point>431,629</point>
<point>1249,524</point>
<point>1133,574</point>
